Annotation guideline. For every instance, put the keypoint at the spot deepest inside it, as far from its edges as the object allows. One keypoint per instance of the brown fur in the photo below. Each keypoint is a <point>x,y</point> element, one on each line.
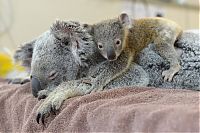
<point>160,31</point>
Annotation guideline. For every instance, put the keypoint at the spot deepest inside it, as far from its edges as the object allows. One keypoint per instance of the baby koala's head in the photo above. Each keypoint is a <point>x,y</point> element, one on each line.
<point>109,36</point>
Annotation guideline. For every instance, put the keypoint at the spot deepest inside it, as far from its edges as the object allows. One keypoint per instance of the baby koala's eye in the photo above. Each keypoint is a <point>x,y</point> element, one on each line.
<point>118,42</point>
<point>100,46</point>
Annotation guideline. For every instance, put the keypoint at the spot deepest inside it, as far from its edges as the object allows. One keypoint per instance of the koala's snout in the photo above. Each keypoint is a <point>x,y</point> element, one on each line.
<point>111,55</point>
<point>35,85</point>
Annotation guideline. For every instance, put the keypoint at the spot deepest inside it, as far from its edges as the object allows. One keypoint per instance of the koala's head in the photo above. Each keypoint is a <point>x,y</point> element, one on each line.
<point>109,36</point>
<point>77,35</point>
<point>54,57</point>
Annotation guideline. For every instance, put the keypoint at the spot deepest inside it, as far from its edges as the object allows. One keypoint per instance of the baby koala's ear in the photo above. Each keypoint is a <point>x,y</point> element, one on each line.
<point>60,29</point>
<point>24,54</point>
<point>125,20</point>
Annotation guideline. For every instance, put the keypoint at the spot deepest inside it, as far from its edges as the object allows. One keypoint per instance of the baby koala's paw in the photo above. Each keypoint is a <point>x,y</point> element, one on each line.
<point>43,94</point>
<point>18,81</point>
<point>169,74</point>
<point>51,104</point>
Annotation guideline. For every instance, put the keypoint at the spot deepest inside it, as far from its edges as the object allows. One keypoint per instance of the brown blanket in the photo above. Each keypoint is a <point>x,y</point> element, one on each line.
<point>121,110</point>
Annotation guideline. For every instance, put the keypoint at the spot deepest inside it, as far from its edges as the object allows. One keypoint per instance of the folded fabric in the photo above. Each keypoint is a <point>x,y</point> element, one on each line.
<point>120,110</point>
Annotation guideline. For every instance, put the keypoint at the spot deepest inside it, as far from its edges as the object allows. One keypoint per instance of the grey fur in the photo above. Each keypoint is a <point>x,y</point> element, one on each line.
<point>189,75</point>
<point>24,54</point>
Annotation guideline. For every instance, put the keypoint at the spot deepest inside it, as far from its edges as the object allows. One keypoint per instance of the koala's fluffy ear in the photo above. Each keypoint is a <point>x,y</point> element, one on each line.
<point>125,20</point>
<point>60,29</point>
<point>24,54</point>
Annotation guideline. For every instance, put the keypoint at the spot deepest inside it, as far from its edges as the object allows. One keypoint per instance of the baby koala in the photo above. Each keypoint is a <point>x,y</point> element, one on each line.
<point>122,37</point>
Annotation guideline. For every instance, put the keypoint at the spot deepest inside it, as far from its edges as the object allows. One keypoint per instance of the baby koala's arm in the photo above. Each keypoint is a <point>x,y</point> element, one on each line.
<point>104,72</point>
<point>107,71</point>
<point>165,46</point>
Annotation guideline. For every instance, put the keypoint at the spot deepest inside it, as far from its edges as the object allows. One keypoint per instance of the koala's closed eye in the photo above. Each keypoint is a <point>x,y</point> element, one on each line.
<point>52,75</point>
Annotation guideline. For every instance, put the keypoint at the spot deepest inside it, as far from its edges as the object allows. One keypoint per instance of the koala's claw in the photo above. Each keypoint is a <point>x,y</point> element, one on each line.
<point>41,97</point>
<point>40,116</point>
<point>43,94</point>
<point>169,74</point>
<point>51,104</point>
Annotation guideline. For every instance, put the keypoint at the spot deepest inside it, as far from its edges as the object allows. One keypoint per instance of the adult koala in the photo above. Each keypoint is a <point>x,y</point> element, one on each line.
<point>62,60</point>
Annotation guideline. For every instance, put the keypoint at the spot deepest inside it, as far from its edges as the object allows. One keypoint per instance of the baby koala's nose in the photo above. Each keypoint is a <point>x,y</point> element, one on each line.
<point>35,85</point>
<point>111,54</point>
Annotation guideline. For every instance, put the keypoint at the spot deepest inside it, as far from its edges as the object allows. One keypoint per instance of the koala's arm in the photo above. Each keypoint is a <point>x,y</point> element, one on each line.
<point>55,98</point>
<point>165,46</point>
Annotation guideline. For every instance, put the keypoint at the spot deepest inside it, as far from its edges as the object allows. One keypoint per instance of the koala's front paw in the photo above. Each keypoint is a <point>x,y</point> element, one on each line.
<point>50,105</point>
<point>18,81</point>
<point>55,99</point>
<point>43,94</point>
<point>169,74</point>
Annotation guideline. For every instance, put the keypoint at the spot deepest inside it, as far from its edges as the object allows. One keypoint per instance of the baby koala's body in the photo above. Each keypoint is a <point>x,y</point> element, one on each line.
<point>163,33</point>
<point>121,35</point>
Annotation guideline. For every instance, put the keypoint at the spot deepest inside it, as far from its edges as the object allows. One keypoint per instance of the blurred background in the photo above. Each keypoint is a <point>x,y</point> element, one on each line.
<point>23,20</point>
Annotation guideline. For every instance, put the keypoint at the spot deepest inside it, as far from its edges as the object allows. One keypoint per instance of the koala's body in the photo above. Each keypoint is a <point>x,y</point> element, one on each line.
<point>123,37</point>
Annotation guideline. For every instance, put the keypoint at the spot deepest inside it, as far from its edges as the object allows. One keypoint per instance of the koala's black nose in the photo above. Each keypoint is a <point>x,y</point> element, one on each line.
<point>111,54</point>
<point>35,85</point>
